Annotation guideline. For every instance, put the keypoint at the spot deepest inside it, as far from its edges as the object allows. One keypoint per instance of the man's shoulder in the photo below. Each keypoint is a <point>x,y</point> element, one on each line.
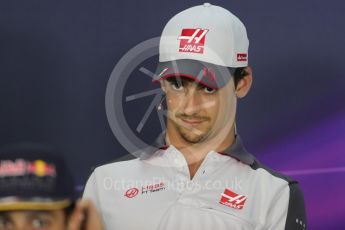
<point>117,165</point>
<point>296,206</point>
<point>280,181</point>
<point>258,166</point>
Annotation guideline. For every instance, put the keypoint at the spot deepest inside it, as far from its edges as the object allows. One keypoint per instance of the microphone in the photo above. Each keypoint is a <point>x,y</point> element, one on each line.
<point>159,107</point>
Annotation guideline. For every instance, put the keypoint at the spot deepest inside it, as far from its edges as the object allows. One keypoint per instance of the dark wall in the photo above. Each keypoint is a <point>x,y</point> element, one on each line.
<point>56,58</point>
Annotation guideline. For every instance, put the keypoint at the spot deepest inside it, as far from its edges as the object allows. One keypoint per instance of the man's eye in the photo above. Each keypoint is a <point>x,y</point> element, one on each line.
<point>40,223</point>
<point>209,90</point>
<point>176,86</point>
<point>5,224</point>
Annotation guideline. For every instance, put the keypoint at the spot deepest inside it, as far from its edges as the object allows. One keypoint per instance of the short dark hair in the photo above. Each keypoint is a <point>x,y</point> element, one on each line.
<point>239,74</point>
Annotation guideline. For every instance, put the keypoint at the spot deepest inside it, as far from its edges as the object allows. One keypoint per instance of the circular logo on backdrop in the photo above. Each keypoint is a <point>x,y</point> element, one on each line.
<point>115,97</point>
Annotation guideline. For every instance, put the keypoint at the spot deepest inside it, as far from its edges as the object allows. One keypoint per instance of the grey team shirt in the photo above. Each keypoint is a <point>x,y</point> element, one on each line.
<point>230,190</point>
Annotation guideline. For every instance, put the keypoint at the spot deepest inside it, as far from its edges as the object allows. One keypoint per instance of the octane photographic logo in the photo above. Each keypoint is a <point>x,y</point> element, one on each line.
<point>116,99</point>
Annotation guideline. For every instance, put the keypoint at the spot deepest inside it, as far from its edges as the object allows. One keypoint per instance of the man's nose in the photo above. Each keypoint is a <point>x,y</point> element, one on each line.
<point>20,226</point>
<point>192,102</point>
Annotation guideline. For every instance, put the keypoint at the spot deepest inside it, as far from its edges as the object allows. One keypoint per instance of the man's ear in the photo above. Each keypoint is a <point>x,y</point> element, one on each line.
<point>162,82</point>
<point>244,85</point>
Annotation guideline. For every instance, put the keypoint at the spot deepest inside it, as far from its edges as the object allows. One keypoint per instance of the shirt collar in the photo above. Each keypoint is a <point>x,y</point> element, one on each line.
<point>236,150</point>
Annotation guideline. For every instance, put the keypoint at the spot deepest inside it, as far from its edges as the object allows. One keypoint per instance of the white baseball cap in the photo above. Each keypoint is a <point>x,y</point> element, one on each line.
<point>203,42</point>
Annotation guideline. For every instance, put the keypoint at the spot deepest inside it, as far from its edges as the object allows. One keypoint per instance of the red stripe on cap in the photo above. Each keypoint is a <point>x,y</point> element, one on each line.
<point>187,76</point>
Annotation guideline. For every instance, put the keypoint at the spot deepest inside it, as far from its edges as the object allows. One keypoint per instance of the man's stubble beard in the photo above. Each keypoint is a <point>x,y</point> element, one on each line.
<point>190,135</point>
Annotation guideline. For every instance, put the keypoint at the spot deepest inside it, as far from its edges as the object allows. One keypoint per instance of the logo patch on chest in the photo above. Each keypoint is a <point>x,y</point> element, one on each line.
<point>232,199</point>
<point>147,189</point>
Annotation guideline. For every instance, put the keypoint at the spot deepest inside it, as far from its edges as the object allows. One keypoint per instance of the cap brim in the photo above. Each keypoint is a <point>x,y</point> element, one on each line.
<point>210,75</point>
<point>35,205</point>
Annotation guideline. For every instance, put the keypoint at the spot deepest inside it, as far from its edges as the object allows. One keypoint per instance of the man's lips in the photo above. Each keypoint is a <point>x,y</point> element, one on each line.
<point>192,122</point>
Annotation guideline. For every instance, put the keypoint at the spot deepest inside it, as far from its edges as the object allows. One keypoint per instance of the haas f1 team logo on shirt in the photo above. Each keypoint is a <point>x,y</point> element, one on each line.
<point>192,40</point>
<point>147,189</point>
<point>130,193</point>
<point>232,199</point>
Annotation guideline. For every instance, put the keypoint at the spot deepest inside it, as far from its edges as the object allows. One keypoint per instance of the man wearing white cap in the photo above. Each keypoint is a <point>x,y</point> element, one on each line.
<point>201,176</point>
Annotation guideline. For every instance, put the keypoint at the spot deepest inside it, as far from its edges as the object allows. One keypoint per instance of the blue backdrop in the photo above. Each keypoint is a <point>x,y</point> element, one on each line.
<point>56,58</point>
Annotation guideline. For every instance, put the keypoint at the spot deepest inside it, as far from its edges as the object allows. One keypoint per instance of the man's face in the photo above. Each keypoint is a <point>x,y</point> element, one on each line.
<point>33,220</point>
<point>197,112</point>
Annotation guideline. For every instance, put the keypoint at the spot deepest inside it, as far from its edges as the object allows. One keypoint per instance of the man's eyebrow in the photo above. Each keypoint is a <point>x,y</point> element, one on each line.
<point>4,215</point>
<point>201,86</point>
<point>184,81</point>
<point>33,214</point>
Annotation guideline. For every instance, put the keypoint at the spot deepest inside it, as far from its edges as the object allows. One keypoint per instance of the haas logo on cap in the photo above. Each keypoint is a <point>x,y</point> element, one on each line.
<point>192,40</point>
